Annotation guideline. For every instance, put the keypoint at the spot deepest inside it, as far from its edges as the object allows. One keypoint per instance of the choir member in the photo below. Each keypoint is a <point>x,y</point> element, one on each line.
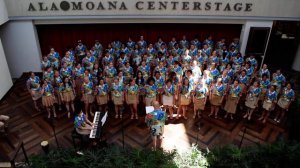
<point>140,81</point>
<point>159,82</point>
<point>264,71</point>
<point>284,102</point>
<point>151,91</point>
<point>142,43</point>
<point>184,92</point>
<point>54,57</point>
<point>80,51</point>
<point>110,73</point>
<point>232,99</point>
<point>269,103</point>
<point>107,59</point>
<point>216,96</point>
<point>88,61</point>
<point>57,84</point>
<point>68,59</point>
<point>45,63</point>
<point>169,97</point>
<point>145,69</point>
<point>117,94</point>
<point>130,44</point>
<point>132,97</point>
<point>87,95</point>
<point>98,48</point>
<point>278,79</point>
<point>172,43</point>
<point>184,42</point>
<point>48,98</point>
<point>67,95</point>
<point>78,78</point>
<point>48,75</point>
<point>128,72</point>
<point>96,73</point>
<point>33,87</point>
<point>209,42</point>
<point>252,99</point>
<point>264,85</point>
<point>65,71</point>
<point>200,93</point>
<point>102,95</point>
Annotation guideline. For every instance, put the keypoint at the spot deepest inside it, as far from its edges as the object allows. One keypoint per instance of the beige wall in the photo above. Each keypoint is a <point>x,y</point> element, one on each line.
<point>21,47</point>
<point>279,9</point>
<point>5,78</point>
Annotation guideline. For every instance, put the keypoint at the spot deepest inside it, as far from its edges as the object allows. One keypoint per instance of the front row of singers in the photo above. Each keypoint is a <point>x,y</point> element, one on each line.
<point>174,96</point>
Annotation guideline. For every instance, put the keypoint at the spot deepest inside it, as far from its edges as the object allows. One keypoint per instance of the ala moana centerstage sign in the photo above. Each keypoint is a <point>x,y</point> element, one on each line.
<point>24,9</point>
<point>140,5</point>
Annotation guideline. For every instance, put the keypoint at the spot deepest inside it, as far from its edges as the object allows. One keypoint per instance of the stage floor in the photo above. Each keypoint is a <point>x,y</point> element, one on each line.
<point>32,127</point>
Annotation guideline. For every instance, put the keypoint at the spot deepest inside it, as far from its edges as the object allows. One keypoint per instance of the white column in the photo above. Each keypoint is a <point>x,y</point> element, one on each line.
<point>21,47</point>
<point>296,62</point>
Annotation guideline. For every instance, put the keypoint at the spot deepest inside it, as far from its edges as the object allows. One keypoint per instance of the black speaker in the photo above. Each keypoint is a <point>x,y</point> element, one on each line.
<point>257,40</point>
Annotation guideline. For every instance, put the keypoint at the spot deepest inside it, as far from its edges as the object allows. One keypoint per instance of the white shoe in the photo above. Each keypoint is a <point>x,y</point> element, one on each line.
<point>79,153</point>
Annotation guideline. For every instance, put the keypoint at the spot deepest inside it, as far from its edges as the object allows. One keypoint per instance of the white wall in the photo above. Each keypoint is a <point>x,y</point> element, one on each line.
<point>5,78</point>
<point>246,29</point>
<point>21,47</point>
<point>3,12</point>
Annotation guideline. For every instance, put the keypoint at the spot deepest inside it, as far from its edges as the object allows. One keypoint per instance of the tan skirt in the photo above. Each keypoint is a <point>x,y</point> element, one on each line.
<point>118,100</point>
<point>268,106</point>
<point>184,101</point>
<point>101,100</point>
<point>168,100</point>
<point>48,101</point>
<point>36,95</point>
<point>88,98</point>
<point>68,96</point>
<point>199,104</point>
<point>149,101</point>
<point>282,103</point>
<point>132,99</point>
<point>83,131</point>
<point>216,100</point>
<point>251,102</point>
<point>230,105</point>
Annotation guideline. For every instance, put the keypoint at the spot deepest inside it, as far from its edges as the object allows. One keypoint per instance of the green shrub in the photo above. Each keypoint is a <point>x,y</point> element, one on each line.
<point>278,155</point>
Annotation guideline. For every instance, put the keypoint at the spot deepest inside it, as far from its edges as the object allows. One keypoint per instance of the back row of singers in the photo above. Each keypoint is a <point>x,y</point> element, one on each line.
<point>135,53</point>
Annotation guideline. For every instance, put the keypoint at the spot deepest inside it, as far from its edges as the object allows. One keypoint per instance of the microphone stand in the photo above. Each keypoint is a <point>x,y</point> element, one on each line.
<point>242,139</point>
<point>54,132</point>
<point>123,140</point>
<point>198,132</point>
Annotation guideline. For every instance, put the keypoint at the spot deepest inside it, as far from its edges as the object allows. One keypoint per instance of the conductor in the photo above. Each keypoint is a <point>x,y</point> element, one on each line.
<point>155,120</point>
